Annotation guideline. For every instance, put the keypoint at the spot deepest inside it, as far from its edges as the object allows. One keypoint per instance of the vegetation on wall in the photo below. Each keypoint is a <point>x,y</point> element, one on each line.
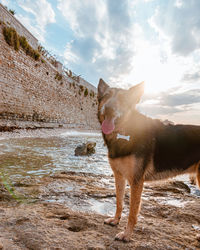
<point>45,53</point>
<point>11,37</point>
<point>58,76</point>
<point>16,41</point>
<point>70,74</point>
<point>91,93</point>
<point>81,88</point>
<point>86,92</point>
<point>13,12</point>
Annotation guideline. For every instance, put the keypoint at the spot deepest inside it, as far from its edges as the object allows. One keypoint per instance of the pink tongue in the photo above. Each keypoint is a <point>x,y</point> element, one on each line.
<point>108,126</point>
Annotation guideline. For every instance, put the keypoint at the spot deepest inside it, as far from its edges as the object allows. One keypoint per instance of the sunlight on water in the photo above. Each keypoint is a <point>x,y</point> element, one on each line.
<point>26,157</point>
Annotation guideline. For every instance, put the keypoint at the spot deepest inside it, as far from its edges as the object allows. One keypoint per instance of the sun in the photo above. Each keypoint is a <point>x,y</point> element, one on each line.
<point>159,70</point>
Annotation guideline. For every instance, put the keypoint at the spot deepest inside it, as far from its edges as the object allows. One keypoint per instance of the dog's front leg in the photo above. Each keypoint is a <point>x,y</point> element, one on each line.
<point>136,191</point>
<point>120,189</point>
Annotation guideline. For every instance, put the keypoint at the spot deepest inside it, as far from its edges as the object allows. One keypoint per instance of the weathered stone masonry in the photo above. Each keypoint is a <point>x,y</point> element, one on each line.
<point>30,96</point>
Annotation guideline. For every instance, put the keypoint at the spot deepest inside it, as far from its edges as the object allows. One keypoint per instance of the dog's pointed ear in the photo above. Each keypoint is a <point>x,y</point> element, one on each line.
<point>136,92</point>
<point>102,87</point>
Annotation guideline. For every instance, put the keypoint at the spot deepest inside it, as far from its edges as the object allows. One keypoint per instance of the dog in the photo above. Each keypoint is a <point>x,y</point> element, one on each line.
<point>142,149</point>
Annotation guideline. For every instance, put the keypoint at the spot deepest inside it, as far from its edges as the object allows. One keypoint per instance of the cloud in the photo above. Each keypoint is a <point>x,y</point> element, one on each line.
<point>42,12</point>
<point>179,21</point>
<point>178,99</point>
<point>170,102</point>
<point>191,77</point>
<point>103,36</point>
<point>5,2</point>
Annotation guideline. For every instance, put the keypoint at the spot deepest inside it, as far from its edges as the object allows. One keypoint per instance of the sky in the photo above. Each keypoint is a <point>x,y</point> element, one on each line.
<point>126,42</point>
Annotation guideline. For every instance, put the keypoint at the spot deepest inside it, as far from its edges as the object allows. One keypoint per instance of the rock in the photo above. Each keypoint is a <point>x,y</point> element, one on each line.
<point>85,149</point>
<point>97,247</point>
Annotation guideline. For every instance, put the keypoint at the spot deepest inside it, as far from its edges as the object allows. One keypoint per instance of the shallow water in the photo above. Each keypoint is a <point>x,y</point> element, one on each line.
<point>26,157</point>
<point>23,158</point>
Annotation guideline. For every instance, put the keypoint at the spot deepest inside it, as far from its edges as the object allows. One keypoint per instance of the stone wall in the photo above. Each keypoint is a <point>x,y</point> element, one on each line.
<point>9,19</point>
<point>30,96</point>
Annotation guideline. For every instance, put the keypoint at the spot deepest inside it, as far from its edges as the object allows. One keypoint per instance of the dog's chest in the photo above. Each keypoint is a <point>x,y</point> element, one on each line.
<point>120,144</point>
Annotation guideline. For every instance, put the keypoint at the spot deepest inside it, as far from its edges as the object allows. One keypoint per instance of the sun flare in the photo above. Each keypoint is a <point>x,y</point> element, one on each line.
<point>158,71</point>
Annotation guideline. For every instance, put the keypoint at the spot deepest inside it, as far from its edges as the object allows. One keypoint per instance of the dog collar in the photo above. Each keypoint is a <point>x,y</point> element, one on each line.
<point>125,137</point>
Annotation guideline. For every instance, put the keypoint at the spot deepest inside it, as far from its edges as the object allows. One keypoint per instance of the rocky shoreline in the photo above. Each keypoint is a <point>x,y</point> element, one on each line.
<point>61,212</point>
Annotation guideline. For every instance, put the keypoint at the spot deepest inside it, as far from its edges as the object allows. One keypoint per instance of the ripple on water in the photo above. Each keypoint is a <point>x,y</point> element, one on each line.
<point>25,157</point>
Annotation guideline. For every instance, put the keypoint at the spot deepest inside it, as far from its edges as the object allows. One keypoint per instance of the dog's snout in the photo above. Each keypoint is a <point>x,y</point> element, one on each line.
<point>109,111</point>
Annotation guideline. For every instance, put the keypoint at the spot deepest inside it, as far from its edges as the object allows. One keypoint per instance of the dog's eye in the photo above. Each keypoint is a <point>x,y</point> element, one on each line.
<point>107,95</point>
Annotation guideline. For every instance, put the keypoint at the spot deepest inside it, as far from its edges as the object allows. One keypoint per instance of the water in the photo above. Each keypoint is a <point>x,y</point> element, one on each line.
<point>23,158</point>
<point>26,157</point>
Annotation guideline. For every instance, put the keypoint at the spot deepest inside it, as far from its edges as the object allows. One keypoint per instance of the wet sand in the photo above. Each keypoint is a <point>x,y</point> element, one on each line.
<point>56,212</point>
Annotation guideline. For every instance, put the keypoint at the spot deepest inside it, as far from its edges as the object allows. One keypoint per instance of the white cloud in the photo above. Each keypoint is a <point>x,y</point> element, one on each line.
<point>103,35</point>
<point>178,3</point>
<point>69,56</point>
<point>5,2</point>
<point>180,23</point>
<point>43,14</point>
<point>27,22</point>
<point>176,105</point>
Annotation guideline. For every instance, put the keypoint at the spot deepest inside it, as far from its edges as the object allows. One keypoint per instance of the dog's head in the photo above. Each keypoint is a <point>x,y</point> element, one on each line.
<point>114,103</point>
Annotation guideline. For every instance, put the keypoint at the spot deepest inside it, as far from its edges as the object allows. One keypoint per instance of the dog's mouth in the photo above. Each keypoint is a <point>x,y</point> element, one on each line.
<point>108,126</point>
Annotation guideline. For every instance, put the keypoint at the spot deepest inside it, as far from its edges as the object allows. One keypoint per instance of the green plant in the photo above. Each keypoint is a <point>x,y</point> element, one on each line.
<point>23,42</point>
<point>53,62</point>
<point>36,55</point>
<point>13,12</point>
<point>81,88</point>
<point>58,76</point>
<point>8,35</point>
<point>91,93</point>
<point>86,92</point>
<point>29,50</point>
<point>11,37</point>
<point>14,40</point>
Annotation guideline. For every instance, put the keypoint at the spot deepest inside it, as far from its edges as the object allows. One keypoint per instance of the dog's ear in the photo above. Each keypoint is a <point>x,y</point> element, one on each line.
<point>102,87</point>
<point>136,92</point>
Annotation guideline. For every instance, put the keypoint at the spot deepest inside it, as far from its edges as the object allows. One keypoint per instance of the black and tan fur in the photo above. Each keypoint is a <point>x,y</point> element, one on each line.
<point>154,151</point>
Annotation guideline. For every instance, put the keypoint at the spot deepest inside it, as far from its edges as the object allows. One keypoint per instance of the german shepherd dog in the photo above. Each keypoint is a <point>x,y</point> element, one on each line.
<point>142,149</point>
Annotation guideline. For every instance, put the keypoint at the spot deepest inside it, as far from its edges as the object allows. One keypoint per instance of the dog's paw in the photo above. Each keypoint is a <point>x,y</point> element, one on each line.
<point>123,236</point>
<point>111,221</point>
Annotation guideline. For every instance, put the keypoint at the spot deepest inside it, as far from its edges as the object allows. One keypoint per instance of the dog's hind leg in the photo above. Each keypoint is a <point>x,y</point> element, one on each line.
<point>120,189</point>
<point>193,178</point>
<point>198,174</point>
<point>136,191</point>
